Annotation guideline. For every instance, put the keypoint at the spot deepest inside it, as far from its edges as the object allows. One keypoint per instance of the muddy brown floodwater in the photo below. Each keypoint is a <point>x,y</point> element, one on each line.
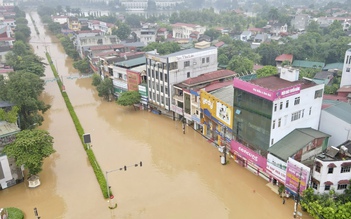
<point>181,176</point>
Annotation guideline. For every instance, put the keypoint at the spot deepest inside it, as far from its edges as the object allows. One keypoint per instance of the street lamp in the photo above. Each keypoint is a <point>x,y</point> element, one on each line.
<point>110,197</point>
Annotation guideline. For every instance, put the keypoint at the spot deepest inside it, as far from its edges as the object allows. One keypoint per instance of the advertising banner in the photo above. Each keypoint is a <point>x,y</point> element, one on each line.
<point>265,92</point>
<point>296,172</point>
<point>248,154</point>
<point>218,109</point>
<point>276,168</point>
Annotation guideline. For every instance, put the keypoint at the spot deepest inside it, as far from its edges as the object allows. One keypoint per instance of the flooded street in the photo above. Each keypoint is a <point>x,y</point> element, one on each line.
<point>181,175</point>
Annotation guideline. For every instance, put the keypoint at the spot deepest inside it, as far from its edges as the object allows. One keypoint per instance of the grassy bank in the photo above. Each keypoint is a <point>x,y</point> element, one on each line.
<point>80,131</point>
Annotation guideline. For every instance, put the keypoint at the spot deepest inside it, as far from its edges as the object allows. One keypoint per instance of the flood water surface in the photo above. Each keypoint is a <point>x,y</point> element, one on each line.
<point>181,175</point>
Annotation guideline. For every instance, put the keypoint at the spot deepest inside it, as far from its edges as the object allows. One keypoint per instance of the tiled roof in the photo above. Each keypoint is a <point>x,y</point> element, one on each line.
<point>208,77</point>
<point>6,39</point>
<point>255,29</point>
<point>218,85</point>
<point>284,57</point>
<point>132,62</point>
<point>162,29</point>
<point>219,44</point>
<point>340,110</point>
<point>307,64</point>
<point>295,141</point>
<point>337,65</point>
<point>346,88</point>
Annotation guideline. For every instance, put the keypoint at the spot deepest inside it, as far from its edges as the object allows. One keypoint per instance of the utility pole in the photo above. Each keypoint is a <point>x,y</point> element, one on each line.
<point>225,145</point>
<point>111,197</point>
<point>298,194</point>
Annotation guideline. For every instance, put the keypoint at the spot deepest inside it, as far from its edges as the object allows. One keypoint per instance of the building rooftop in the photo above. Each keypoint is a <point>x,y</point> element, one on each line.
<point>216,86</point>
<point>132,62</point>
<point>340,110</point>
<point>341,152</point>
<point>184,25</point>
<point>189,51</point>
<point>275,83</point>
<point>226,94</point>
<point>333,66</point>
<point>284,57</point>
<point>295,141</point>
<point>208,77</point>
<point>307,64</point>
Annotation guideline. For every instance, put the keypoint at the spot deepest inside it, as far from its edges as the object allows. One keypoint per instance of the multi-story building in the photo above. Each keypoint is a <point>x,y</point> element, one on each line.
<point>269,108</point>
<point>105,28</point>
<point>192,87</point>
<point>332,169</point>
<point>167,4</point>
<point>60,19</point>
<point>184,31</point>
<point>165,71</point>
<point>148,33</point>
<point>346,72</point>
<point>73,24</point>
<point>134,5</point>
<point>84,42</point>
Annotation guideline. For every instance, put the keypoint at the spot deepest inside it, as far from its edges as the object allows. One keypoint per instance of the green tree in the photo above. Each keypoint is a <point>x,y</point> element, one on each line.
<point>129,98</point>
<point>223,59</point>
<point>213,33</point>
<point>54,27</point>
<point>20,37</point>
<point>267,70</point>
<point>21,20</point>
<point>105,88</point>
<point>226,39</point>
<point>162,48</point>
<point>122,32</point>
<point>82,65</point>
<point>9,115</point>
<point>23,28</point>
<point>23,90</point>
<point>240,65</point>
<point>96,80</point>
<point>268,53</point>
<point>29,148</point>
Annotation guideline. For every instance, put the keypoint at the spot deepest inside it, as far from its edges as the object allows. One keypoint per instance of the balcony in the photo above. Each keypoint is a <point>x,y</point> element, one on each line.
<point>179,98</point>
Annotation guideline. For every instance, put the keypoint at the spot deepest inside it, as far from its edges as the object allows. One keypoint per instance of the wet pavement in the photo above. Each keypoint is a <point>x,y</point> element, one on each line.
<point>181,175</point>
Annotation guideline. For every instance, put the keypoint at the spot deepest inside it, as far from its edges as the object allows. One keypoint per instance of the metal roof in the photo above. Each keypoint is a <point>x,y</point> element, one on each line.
<point>340,110</point>
<point>295,141</point>
<point>226,94</point>
<point>189,51</point>
<point>132,62</point>
<point>307,64</point>
<point>337,65</point>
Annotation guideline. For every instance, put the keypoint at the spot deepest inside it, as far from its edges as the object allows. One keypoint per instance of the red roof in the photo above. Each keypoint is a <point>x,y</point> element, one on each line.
<point>255,29</point>
<point>208,77</point>
<point>219,44</point>
<point>333,97</point>
<point>257,67</point>
<point>7,39</point>
<point>345,88</point>
<point>88,31</point>
<point>284,57</point>
<point>218,85</point>
<point>162,29</point>
<point>275,83</point>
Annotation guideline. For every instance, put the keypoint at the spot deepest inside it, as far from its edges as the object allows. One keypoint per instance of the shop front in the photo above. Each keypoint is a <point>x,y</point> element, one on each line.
<point>249,159</point>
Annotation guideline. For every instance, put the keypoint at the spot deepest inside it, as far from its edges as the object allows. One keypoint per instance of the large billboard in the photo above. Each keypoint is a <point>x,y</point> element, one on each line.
<point>297,175</point>
<point>276,168</point>
<point>265,92</point>
<point>220,110</point>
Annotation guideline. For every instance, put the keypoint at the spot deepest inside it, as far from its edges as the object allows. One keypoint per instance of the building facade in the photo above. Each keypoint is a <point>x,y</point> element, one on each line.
<point>165,71</point>
<point>346,71</point>
<point>267,109</point>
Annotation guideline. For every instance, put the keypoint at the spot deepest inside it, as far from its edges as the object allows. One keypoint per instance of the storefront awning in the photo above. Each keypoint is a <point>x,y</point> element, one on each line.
<point>331,165</point>
<point>318,163</point>
<point>315,181</point>
<point>328,183</point>
<point>344,181</point>
<point>346,164</point>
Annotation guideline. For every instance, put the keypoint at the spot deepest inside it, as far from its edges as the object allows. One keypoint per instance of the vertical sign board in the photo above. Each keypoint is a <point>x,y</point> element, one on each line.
<point>276,168</point>
<point>86,138</point>
<point>296,172</point>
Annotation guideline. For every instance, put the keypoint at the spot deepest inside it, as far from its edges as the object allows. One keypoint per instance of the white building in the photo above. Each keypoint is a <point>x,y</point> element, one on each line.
<point>148,33</point>
<point>332,169</point>
<point>165,71</point>
<point>60,19</point>
<point>346,72</point>
<point>134,5</point>
<point>269,108</point>
<point>167,4</point>
<point>105,28</point>
<point>183,31</point>
<point>336,121</point>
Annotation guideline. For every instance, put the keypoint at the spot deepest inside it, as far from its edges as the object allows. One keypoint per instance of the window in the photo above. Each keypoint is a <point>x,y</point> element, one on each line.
<point>318,93</point>
<point>153,73</point>
<point>287,104</point>
<point>342,186</point>
<point>161,88</point>
<point>166,77</point>
<point>310,111</point>
<point>161,76</point>
<point>330,170</point>
<point>208,59</point>
<point>297,101</point>
<point>188,74</point>
<point>166,90</point>
<point>303,112</point>
<point>275,107</point>
<point>281,106</point>
<point>186,63</point>
<point>318,168</point>
<point>273,127</point>
<point>296,115</point>
<point>272,141</point>
<point>203,60</point>
<point>347,69</point>
<point>315,185</point>
<point>327,188</point>
<point>148,72</point>
<point>345,169</point>
<point>120,76</point>
<point>156,72</point>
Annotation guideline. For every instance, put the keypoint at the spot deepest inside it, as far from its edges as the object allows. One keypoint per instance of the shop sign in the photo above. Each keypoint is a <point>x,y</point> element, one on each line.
<point>195,119</point>
<point>176,109</point>
<point>207,102</point>
<point>276,167</point>
<point>296,172</point>
<point>249,154</point>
